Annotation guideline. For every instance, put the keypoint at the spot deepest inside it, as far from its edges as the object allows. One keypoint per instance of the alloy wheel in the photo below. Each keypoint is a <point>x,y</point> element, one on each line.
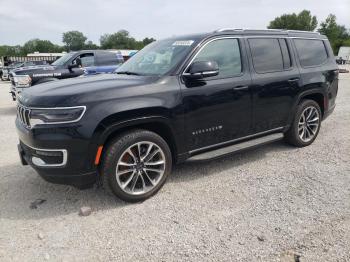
<point>140,168</point>
<point>308,124</point>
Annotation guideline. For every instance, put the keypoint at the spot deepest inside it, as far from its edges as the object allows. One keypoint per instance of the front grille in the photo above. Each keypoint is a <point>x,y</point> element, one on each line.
<point>23,115</point>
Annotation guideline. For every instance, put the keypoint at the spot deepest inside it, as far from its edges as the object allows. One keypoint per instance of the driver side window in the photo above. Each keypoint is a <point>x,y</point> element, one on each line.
<point>86,60</point>
<point>226,53</point>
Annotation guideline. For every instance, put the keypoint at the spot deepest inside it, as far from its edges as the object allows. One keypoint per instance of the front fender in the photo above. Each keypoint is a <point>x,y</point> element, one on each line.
<point>116,123</point>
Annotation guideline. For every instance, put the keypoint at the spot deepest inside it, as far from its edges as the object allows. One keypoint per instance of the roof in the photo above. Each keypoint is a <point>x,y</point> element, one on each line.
<point>282,32</point>
<point>46,54</point>
<point>250,32</point>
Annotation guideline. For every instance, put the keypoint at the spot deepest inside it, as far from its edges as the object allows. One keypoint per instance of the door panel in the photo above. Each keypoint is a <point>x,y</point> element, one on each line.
<point>276,83</point>
<point>218,109</point>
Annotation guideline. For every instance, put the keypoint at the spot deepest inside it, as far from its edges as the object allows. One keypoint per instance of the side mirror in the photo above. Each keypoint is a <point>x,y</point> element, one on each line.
<point>202,69</point>
<point>76,63</point>
<point>71,66</point>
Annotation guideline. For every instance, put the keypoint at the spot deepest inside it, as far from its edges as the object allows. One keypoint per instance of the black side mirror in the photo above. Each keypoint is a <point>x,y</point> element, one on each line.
<point>76,64</point>
<point>71,66</point>
<point>202,69</point>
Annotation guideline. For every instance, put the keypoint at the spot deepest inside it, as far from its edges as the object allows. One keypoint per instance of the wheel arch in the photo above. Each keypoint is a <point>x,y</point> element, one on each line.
<point>315,94</point>
<point>318,97</point>
<point>116,124</point>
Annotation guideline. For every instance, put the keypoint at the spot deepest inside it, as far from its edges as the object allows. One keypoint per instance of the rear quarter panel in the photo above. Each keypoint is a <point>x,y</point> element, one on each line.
<point>321,79</point>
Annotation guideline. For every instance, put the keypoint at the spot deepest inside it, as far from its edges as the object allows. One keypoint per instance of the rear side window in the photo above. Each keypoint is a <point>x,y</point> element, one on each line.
<point>267,55</point>
<point>311,52</point>
<point>108,58</point>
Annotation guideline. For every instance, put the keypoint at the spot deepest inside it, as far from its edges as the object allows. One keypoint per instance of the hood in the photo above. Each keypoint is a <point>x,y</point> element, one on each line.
<point>30,67</point>
<point>83,90</point>
<point>33,69</point>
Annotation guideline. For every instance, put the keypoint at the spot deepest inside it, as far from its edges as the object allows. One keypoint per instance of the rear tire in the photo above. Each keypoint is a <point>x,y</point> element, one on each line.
<point>306,124</point>
<point>136,165</point>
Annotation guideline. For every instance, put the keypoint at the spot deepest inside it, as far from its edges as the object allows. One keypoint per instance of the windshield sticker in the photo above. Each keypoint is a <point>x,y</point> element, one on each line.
<point>183,43</point>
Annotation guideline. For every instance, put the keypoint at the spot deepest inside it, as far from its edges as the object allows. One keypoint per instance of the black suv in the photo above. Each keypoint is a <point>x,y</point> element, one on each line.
<point>194,97</point>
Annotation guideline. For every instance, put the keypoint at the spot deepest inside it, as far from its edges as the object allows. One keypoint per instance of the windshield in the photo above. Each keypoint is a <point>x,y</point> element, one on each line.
<point>63,59</point>
<point>17,64</point>
<point>157,58</point>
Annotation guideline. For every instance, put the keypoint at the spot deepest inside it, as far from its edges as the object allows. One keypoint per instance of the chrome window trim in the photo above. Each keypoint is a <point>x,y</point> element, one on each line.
<point>64,160</point>
<point>211,40</point>
<point>57,108</point>
<point>245,37</point>
<point>235,140</point>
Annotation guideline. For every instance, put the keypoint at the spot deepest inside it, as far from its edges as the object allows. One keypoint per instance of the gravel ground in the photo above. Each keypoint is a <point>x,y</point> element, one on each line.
<point>274,203</point>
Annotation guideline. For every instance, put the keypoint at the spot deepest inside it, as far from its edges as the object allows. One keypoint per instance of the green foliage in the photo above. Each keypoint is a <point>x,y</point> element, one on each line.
<point>6,50</point>
<point>122,40</point>
<point>119,40</point>
<point>41,46</point>
<point>338,35</point>
<point>74,40</point>
<point>346,42</point>
<point>302,21</point>
<point>91,46</point>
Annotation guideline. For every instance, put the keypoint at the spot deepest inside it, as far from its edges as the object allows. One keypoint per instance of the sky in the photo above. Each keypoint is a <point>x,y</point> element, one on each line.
<point>22,20</point>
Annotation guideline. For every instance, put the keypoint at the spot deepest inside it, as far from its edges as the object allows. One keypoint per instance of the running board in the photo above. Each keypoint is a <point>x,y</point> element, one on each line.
<point>237,147</point>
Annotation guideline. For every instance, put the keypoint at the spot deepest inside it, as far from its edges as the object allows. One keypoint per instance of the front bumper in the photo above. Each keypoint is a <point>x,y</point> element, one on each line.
<point>5,77</point>
<point>58,155</point>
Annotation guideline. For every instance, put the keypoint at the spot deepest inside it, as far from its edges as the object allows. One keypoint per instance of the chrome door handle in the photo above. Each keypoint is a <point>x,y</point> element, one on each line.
<point>240,88</point>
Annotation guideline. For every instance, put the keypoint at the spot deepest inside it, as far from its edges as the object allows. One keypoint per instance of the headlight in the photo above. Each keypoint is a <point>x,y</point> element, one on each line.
<point>58,115</point>
<point>22,80</point>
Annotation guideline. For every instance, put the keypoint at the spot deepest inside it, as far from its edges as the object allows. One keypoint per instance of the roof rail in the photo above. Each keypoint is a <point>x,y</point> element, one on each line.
<point>229,29</point>
<point>301,31</point>
<point>276,30</point>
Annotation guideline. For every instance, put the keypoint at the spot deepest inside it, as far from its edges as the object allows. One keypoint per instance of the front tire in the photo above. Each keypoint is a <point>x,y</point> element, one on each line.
<point>136,165</point>
<point>306,124</point>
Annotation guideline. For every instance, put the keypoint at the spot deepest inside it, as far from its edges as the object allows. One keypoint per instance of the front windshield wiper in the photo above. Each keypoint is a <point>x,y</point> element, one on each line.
<point>128,73</point>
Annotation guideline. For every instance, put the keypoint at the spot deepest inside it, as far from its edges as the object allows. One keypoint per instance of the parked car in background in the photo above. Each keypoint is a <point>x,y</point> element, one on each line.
<point>104,69</point>
<point>6,71</point>
<point>68,66</point>
<point>344,54</point>
<point>195,97</point>
<point>340,60</point>
<point>5,76</point>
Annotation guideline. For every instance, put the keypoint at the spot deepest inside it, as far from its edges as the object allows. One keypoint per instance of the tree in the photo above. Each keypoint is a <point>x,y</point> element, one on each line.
<point>6,50</point>
<point>147,41</point>
<point>74,40</point>
<point>302,21</point>
<point>42,46</point>
<point>337,34</point>
<point>119,40</point>
<point>90,45</point>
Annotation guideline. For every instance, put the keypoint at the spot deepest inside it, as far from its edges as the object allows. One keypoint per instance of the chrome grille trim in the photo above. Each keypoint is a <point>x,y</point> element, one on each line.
<point>23,114</point>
